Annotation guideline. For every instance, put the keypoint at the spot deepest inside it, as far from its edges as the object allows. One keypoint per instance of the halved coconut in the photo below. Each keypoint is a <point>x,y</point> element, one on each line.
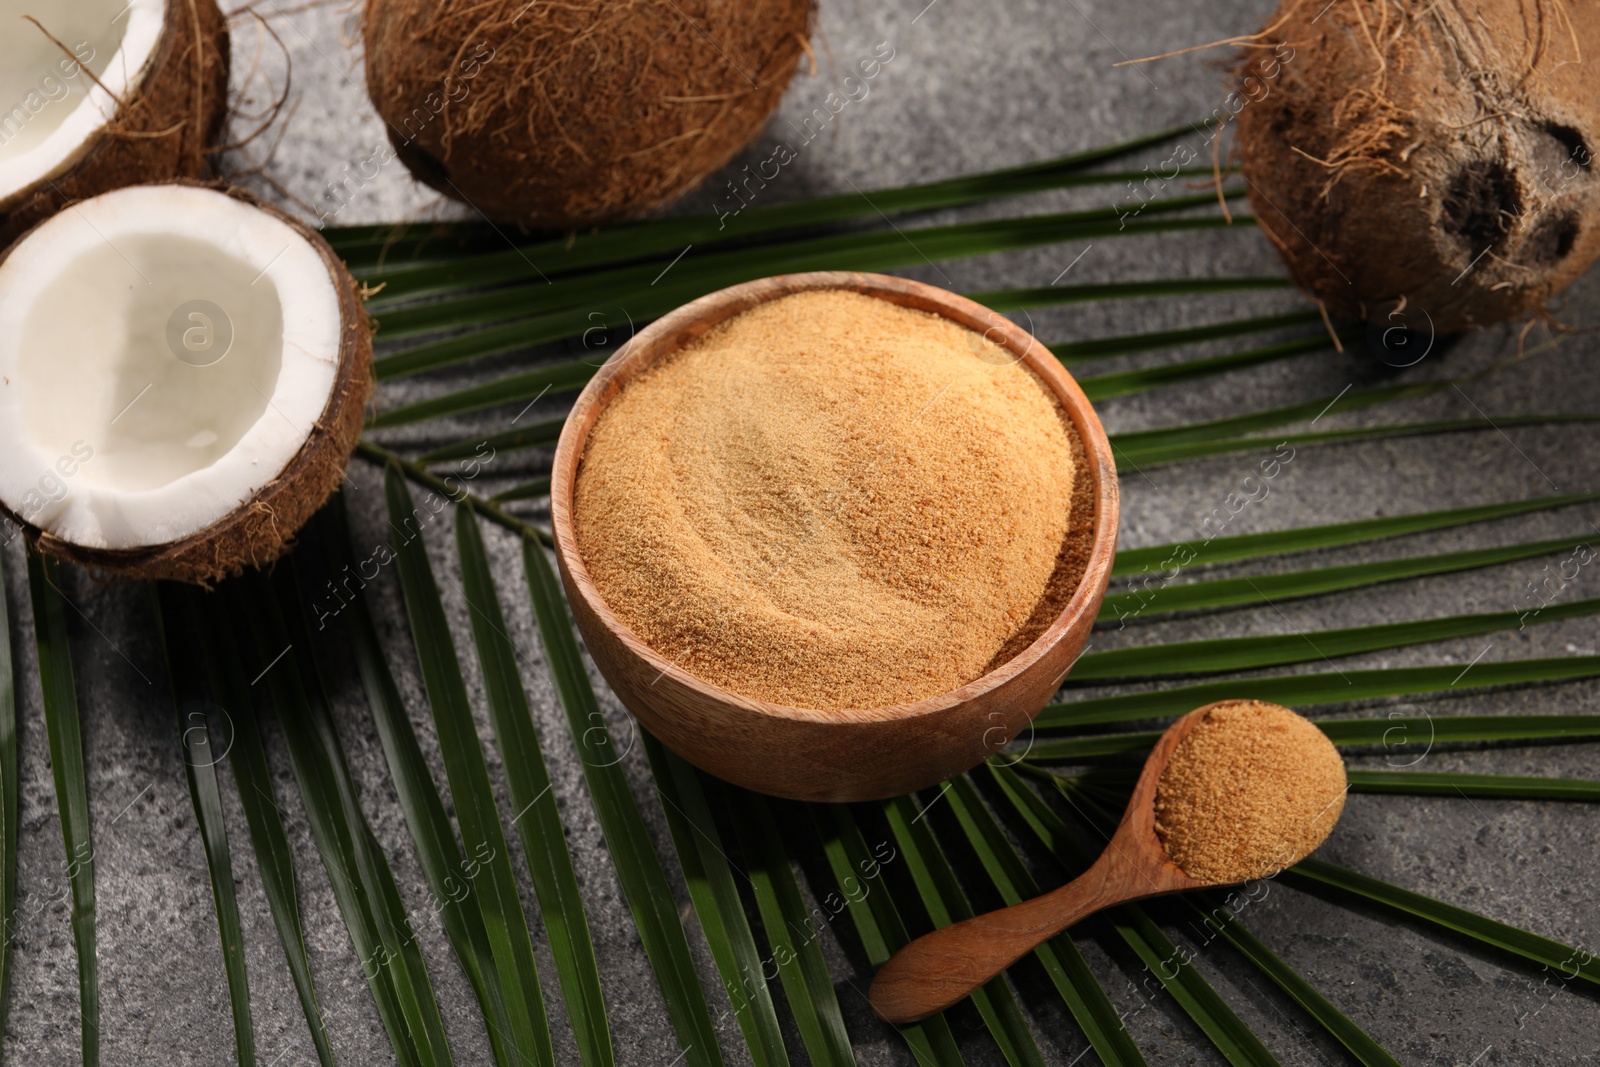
<point>97,94</point>
<point>183,373</point>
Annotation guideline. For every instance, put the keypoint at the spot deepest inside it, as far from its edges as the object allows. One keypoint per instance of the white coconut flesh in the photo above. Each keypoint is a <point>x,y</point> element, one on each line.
<point>165,352</point>
<point>51,104</point>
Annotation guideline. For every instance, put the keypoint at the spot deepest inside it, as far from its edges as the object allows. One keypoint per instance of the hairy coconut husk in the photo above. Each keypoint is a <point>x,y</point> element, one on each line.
<point>1431,160</point>
<point>262,528</point>
<point>162,131</point>
<point>564,115</point>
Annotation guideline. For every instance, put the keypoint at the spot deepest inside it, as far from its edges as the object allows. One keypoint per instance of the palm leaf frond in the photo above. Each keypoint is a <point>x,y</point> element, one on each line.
<point>539,487</point>
<point>1219,655</point>
<point>1572,962</point>
<point>1316,581</point>
<point>10,676</point>
<point>1333,535</point>
<point>537,819</point>
<point>1053,834</point>
<point>494,885</point>
<point>247,759</point>
<point>59,688</point>
<point>178,625</point>
<point>1299,690</point>
<point>946,902</point>
<point>708,873</point>
<point>791,932</point>
<point>1398,733</point>
<point>359,874</point>
<point>1144,341</point>
<point>1157,454</point>
<point>438,852</point>
<point>1126,383</point>
<point>1237,1043</point>
<point>644,883</point>
<point>877,921</point>
<point>634,240</point>
<point>1454,784</point>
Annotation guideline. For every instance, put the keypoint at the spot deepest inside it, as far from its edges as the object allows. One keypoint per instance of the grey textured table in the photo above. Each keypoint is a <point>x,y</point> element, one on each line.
<point>971,86</point>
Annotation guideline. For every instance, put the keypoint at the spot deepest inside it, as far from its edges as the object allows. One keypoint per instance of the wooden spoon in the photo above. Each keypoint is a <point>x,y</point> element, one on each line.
<point>938,969</point>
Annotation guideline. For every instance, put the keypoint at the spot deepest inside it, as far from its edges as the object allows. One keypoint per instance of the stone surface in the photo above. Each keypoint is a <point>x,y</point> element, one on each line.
<point>971,86</point>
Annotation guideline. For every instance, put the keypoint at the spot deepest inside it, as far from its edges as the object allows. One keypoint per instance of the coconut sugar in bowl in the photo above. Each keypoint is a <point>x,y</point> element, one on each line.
<point>834,536</point>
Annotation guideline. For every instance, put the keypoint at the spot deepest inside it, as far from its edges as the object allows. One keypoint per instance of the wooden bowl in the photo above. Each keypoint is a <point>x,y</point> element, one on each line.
<point>807,754</point>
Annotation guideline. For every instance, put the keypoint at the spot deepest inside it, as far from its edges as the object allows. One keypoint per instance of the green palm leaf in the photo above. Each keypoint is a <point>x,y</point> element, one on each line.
<point>708,872</point>
<point>1452,784</point>
<point>59,688</point>
<point>1275,588</point>
<point>1338,1025</point>
<point>946,902</point>
<point>359,874</point>
<point>538,821</point>
<point>178,626</point>
<point>535,435</point>
<point>1053,834</point>
<point>1221,654</point>
<point>1572,962</point>
<point>1397,732</point>
<point>642,294</point>
<point>494,885</point>
<point>539,487</point>
<point>1237,1043</point>
<point>438,853</point>
<point>632,240</point>
<point>456,266</point>
<point>1156,455</point>
<point>247,759</point>
<point>9,793</point>
<point>1124,383</point>
<point>1333,535</point>
<point>1086,292</point>
<point>1162,445</point>
<point>1298,690</point>
<point>638,288</point>
<point>801,967</point>
<point>1106,347</point>
<point>644,884</point>
<point>572,375</point>
<point>555,379</point>
<point>631,245</point>
<point>876,919</point>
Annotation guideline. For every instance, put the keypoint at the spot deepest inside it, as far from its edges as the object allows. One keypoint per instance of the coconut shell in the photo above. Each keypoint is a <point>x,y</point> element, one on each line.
<point>1420,160</point>
<point>262,528</point>
<point>564,115</point>
<point>162,131</point>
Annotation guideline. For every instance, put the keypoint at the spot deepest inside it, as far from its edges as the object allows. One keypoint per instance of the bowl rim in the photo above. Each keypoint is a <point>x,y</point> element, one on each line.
<point>675,330</point>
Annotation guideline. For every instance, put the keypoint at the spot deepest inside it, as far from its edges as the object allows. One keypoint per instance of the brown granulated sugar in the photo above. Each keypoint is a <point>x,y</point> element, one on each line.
<point>831,501</point>
<point>1252,789</point>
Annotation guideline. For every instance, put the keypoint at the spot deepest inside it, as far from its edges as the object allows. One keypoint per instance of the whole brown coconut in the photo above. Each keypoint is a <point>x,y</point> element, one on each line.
<point>564,115</point>
<point>1426,159</point>
<point>159,128</point>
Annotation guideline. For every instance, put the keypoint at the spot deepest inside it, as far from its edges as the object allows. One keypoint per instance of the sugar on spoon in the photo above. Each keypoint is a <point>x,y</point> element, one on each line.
<point>1232,791</point>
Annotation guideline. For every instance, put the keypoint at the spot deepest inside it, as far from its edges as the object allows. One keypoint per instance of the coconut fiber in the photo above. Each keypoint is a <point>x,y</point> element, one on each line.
<point>1427,163</point>
<point>562,115</point>
<point>162,131</point>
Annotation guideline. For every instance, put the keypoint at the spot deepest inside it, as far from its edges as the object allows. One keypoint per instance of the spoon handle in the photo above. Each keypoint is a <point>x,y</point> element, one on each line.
<point>940,968</point>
